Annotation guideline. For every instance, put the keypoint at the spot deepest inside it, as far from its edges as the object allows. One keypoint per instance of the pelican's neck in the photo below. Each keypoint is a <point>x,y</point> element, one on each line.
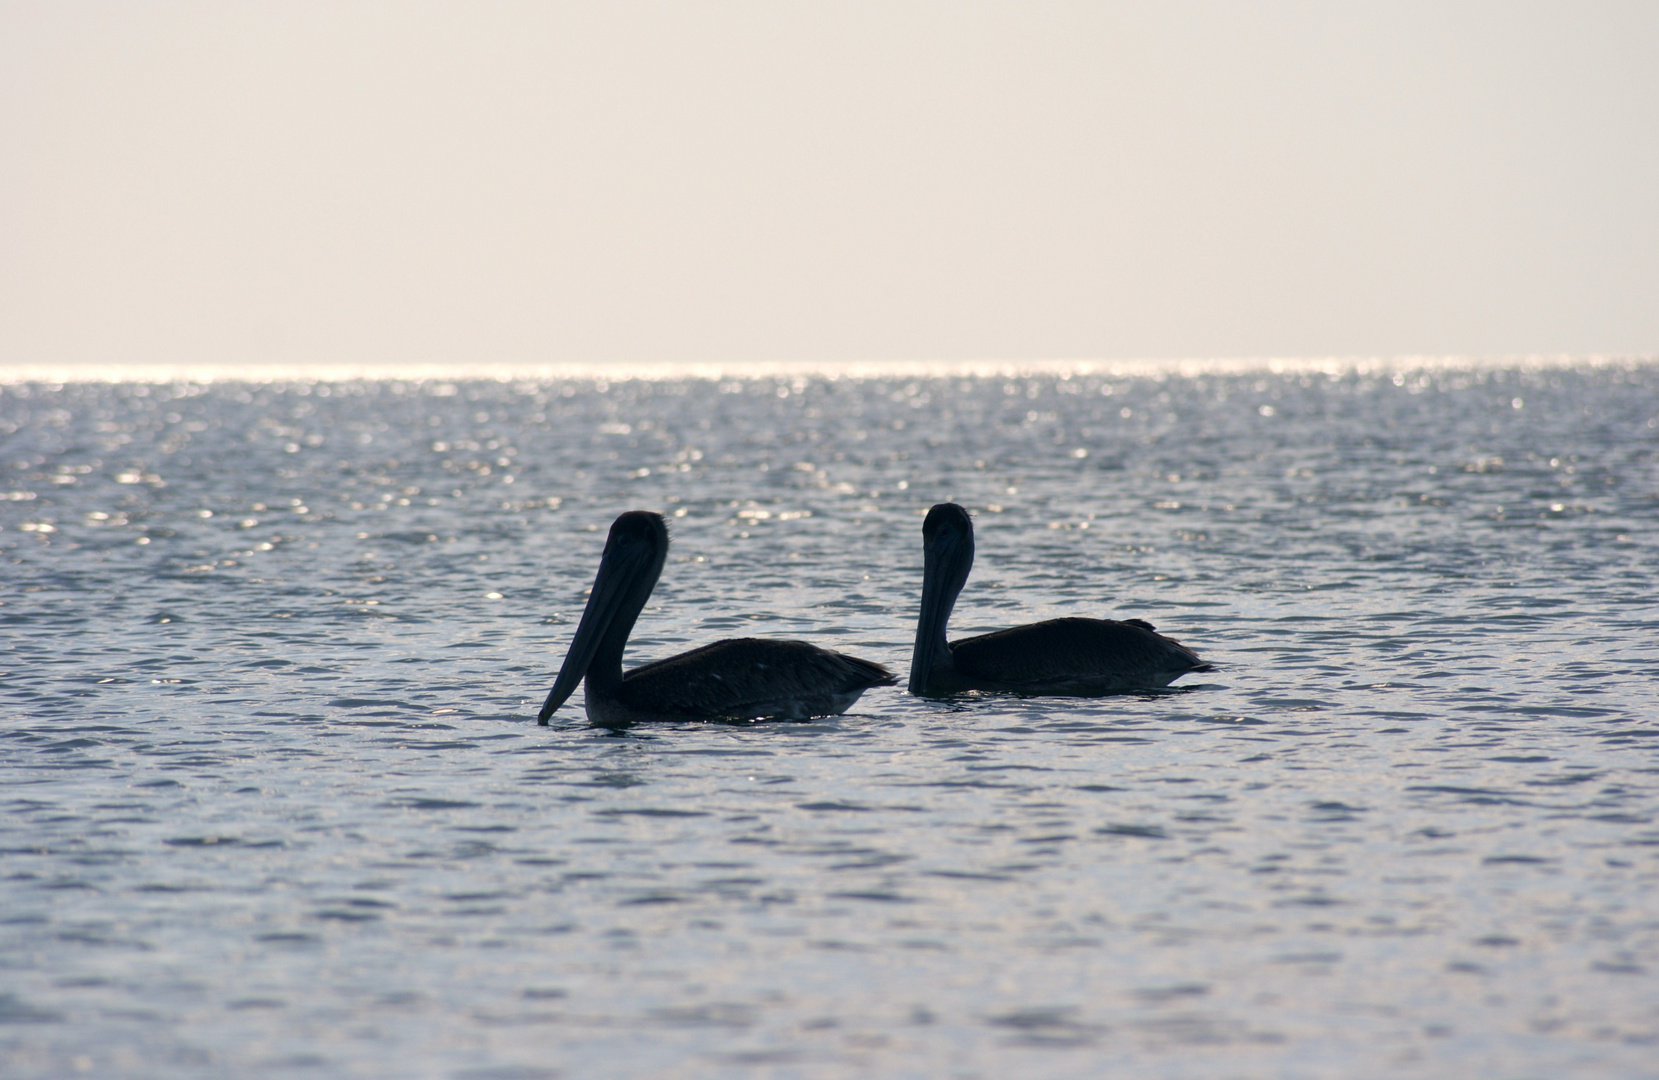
<point>930,636</point>
<point>605,671</point>
<point>946,562</point>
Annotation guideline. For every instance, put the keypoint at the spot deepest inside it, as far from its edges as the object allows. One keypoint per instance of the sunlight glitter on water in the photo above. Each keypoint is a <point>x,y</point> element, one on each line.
<point>276,802</point>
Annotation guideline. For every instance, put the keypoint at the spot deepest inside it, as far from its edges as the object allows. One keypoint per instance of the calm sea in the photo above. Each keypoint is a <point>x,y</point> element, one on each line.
<point>276,805</point>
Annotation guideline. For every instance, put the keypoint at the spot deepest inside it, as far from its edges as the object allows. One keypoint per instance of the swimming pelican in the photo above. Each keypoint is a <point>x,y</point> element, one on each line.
<point>736,679</point>
<point>1074,657</point>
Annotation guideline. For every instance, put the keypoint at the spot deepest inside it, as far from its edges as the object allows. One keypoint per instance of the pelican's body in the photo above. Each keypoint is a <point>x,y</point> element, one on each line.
<point>1073,657</point>
<point>737,679</point>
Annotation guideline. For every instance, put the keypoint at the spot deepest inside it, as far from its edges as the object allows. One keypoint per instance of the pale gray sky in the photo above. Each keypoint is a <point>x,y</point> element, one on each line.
<point>538,182</point>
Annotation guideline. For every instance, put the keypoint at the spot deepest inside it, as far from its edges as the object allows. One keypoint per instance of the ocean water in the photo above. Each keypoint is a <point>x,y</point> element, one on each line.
<point>276,804</point>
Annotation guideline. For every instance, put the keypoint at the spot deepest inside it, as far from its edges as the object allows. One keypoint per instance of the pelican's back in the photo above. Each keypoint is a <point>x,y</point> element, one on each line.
<point>1074,655</point>
<point>746,677</point>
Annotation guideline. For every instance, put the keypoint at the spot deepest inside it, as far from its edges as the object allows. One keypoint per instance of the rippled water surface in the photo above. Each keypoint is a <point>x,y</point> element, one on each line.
<point>275,802</point>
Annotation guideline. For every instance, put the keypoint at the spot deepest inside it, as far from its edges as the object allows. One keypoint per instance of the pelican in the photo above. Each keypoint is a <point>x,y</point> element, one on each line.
<point>1073,657</point>
<point>736,679</point>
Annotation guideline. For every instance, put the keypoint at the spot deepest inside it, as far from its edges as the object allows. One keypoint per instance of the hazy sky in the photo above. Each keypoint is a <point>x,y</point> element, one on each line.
<point>457,182</point>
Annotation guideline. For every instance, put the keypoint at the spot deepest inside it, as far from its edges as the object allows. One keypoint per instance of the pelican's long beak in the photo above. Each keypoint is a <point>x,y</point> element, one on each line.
<point>619,568</point>
<point>941,571</point>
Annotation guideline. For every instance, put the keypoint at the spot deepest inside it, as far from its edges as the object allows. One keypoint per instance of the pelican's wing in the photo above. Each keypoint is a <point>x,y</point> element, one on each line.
<point>1058,650</point>
<point>748,677</point>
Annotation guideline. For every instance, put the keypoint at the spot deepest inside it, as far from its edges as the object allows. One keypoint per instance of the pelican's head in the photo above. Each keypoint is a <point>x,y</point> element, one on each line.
<point>637,527</point>
<point>946,518</point>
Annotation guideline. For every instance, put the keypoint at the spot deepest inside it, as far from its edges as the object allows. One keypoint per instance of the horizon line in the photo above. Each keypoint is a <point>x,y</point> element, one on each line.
<point>657,370</point>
